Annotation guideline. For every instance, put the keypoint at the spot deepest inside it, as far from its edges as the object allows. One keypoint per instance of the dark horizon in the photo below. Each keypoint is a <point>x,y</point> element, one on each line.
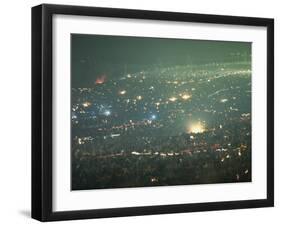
<point>95,56</point>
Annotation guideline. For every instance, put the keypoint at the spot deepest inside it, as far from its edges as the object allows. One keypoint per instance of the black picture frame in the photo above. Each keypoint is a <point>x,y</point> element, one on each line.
<point>42,111</point>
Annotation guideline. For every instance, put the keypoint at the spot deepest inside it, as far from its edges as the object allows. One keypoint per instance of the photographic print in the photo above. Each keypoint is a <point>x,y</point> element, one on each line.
<point>130,106</point>
<point>159,112</point>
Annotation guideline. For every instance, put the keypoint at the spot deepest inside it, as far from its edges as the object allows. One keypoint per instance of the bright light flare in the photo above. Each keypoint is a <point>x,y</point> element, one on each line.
<point>122,92</point>
<point>186,96</point>
<point>173,99</point>
<point>223,100</point>
<point>196,128</point>
<point>86,104</point>
<point>107,113</point>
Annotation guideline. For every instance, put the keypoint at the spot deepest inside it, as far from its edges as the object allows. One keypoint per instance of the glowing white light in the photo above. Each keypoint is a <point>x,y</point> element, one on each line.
<point>185,96</point>
<point>86,104</point>
<point>196,128</point>
<point>173,99</point>
<point>115,135</point>
<point>154,179</point>
<point>107,113</point>
<point>153,117</point>
<point>139,97</point>
<point>122,92</point>
<point>223,100</point>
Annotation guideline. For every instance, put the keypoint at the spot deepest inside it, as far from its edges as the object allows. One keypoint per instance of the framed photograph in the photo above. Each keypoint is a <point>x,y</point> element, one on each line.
<point>145,112</point>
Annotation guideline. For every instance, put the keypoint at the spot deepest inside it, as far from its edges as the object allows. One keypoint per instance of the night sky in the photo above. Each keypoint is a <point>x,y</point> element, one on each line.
<point>94,56</point>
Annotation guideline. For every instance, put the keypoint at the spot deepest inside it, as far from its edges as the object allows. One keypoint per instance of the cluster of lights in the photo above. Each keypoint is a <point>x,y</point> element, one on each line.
<point>172,99</point>
<point>197,127</point>
<point>185,96</point>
